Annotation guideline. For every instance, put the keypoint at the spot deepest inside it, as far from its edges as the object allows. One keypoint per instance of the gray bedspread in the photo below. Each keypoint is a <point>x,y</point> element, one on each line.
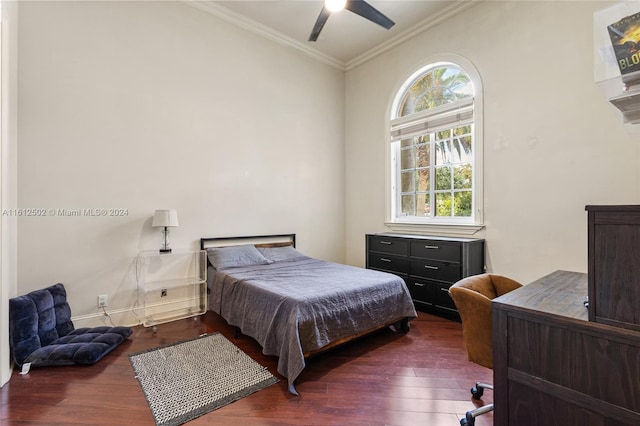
<point>303,304</point>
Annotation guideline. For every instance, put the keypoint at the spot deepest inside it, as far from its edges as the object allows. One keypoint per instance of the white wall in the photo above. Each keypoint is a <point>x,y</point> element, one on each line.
<point>8,179</point>
<point>147,105</point>
<point>150,105</point>
<point>552,142</point>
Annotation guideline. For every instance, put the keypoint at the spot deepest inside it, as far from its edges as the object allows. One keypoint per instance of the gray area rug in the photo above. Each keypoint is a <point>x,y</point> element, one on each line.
<point>187,379</point>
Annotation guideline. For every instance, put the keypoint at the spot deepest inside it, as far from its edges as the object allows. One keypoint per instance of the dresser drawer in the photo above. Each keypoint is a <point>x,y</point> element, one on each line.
<point>388,263</point>
<point>389,245</point>
<point>442,299</point>
<point>435,270</point>
<point>421,291</point>
<point>436,250</point>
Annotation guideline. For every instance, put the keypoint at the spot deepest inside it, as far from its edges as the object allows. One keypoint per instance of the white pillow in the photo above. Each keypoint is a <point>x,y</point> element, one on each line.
<point>234,256</point>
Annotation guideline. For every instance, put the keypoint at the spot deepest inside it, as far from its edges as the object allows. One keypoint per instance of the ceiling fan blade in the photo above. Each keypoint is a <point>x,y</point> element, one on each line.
<point>364,9</point>
<point>322,19</point>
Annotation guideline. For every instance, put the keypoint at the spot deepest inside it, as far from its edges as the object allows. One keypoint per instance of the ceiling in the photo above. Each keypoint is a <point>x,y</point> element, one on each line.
<point>346,39</point>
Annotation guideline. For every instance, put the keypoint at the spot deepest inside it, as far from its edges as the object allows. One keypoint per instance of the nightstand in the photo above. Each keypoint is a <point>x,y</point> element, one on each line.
<point>172,285</point>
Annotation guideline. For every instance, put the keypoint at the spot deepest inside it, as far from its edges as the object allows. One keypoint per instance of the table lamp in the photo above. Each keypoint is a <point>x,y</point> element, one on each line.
<point>165,219</point>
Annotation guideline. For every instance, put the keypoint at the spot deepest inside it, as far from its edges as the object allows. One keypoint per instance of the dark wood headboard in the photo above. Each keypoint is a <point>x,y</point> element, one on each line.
<point>279,240</point>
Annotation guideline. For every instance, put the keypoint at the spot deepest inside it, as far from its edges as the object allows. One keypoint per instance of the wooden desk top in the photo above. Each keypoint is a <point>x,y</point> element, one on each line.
<point>561,293</point>
<point>552,366</point>
<point>559,298</point>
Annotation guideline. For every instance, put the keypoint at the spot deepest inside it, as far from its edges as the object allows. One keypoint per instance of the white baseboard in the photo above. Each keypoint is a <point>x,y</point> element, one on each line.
<point>130,317</point>
<point>119,317</point>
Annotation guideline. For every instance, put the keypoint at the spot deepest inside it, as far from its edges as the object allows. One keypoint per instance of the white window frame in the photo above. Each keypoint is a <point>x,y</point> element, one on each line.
<point>408,126</point>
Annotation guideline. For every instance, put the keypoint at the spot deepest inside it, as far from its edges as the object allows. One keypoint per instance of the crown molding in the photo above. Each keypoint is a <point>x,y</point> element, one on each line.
<point>451,10</point>
<point>264,31</point>
<point>269,33</point>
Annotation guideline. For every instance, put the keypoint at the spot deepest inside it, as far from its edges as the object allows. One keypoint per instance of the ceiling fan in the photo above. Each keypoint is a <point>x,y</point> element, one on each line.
<point>359,7</point>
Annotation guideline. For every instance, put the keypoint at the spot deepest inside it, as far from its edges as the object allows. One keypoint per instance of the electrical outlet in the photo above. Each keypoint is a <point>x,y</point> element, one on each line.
<point>103,300</point>
<point>163,292</point>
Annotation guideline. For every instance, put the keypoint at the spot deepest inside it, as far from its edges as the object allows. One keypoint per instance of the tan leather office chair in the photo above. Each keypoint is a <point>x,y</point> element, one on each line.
<point>472,296</point>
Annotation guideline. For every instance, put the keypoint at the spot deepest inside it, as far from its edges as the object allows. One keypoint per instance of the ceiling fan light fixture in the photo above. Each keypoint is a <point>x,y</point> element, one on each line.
<point>335,5</point>
<point>359,7</point>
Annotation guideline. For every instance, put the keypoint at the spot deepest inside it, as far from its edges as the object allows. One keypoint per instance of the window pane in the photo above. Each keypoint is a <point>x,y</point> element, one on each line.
<point>443,178</point>
<point>462,144</point>
<point>424,206</point>
<point>462,204</point>
<point>408,205</point>
<point>443,204</point>
<point>462,149</point>
<point>436,87</point>
<point>423,180</point>
<point>407,158</point>
<point>408,181</point>
<point>443,134</point>
<point>443,152</point>
<point>462,130</point>
<point>406,142</point>
<point>422,155</point>
<point>462,176</point>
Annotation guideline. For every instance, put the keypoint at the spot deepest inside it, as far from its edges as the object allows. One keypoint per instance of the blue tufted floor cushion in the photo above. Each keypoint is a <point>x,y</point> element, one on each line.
<point>41,331</point>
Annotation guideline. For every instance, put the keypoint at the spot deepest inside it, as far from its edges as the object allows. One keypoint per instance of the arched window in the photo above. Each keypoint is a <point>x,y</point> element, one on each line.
<point>436,148</point>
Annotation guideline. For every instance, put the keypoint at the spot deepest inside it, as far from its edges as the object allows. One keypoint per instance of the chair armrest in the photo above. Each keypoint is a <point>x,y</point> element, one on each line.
<point>504,285</point>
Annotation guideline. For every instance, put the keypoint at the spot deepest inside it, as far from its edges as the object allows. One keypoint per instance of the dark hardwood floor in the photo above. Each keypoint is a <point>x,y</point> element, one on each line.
<point>419,378</point>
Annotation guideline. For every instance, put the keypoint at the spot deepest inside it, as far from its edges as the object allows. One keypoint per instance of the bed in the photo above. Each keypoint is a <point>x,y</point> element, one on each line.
<point>296,306</point>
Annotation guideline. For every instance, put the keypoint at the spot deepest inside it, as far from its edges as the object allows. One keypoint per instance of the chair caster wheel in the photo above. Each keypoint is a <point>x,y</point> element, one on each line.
<point>477,392</point>
<point>465,422</point>
<point>468,421</point>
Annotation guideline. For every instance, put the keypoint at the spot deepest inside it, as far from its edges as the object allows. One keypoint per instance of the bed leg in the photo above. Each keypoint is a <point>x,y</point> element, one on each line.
<point>404,325</point>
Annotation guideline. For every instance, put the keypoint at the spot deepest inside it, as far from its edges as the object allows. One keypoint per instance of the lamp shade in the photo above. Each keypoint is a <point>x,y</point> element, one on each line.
<point>165,218</point>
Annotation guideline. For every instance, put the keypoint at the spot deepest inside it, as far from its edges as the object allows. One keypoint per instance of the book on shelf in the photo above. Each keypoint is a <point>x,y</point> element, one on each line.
<point>625,38</point>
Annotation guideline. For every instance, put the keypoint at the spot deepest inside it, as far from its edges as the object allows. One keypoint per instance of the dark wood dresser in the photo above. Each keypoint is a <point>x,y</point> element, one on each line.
<point>429,265</point>
<point>552,366</point>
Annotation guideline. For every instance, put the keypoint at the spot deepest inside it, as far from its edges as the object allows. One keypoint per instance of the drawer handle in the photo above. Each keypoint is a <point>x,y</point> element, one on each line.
<point>431,247</point>
<point>384,259</point>
<point>431,267</point>
<point>419,284</point>
<point>386,242</point>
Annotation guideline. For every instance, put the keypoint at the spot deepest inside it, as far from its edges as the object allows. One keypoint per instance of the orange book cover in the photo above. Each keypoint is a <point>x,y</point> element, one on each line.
<point>625,38</point>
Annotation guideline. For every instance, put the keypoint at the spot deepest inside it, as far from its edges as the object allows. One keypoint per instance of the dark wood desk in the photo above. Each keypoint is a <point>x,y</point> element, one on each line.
<point>554,367</point>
